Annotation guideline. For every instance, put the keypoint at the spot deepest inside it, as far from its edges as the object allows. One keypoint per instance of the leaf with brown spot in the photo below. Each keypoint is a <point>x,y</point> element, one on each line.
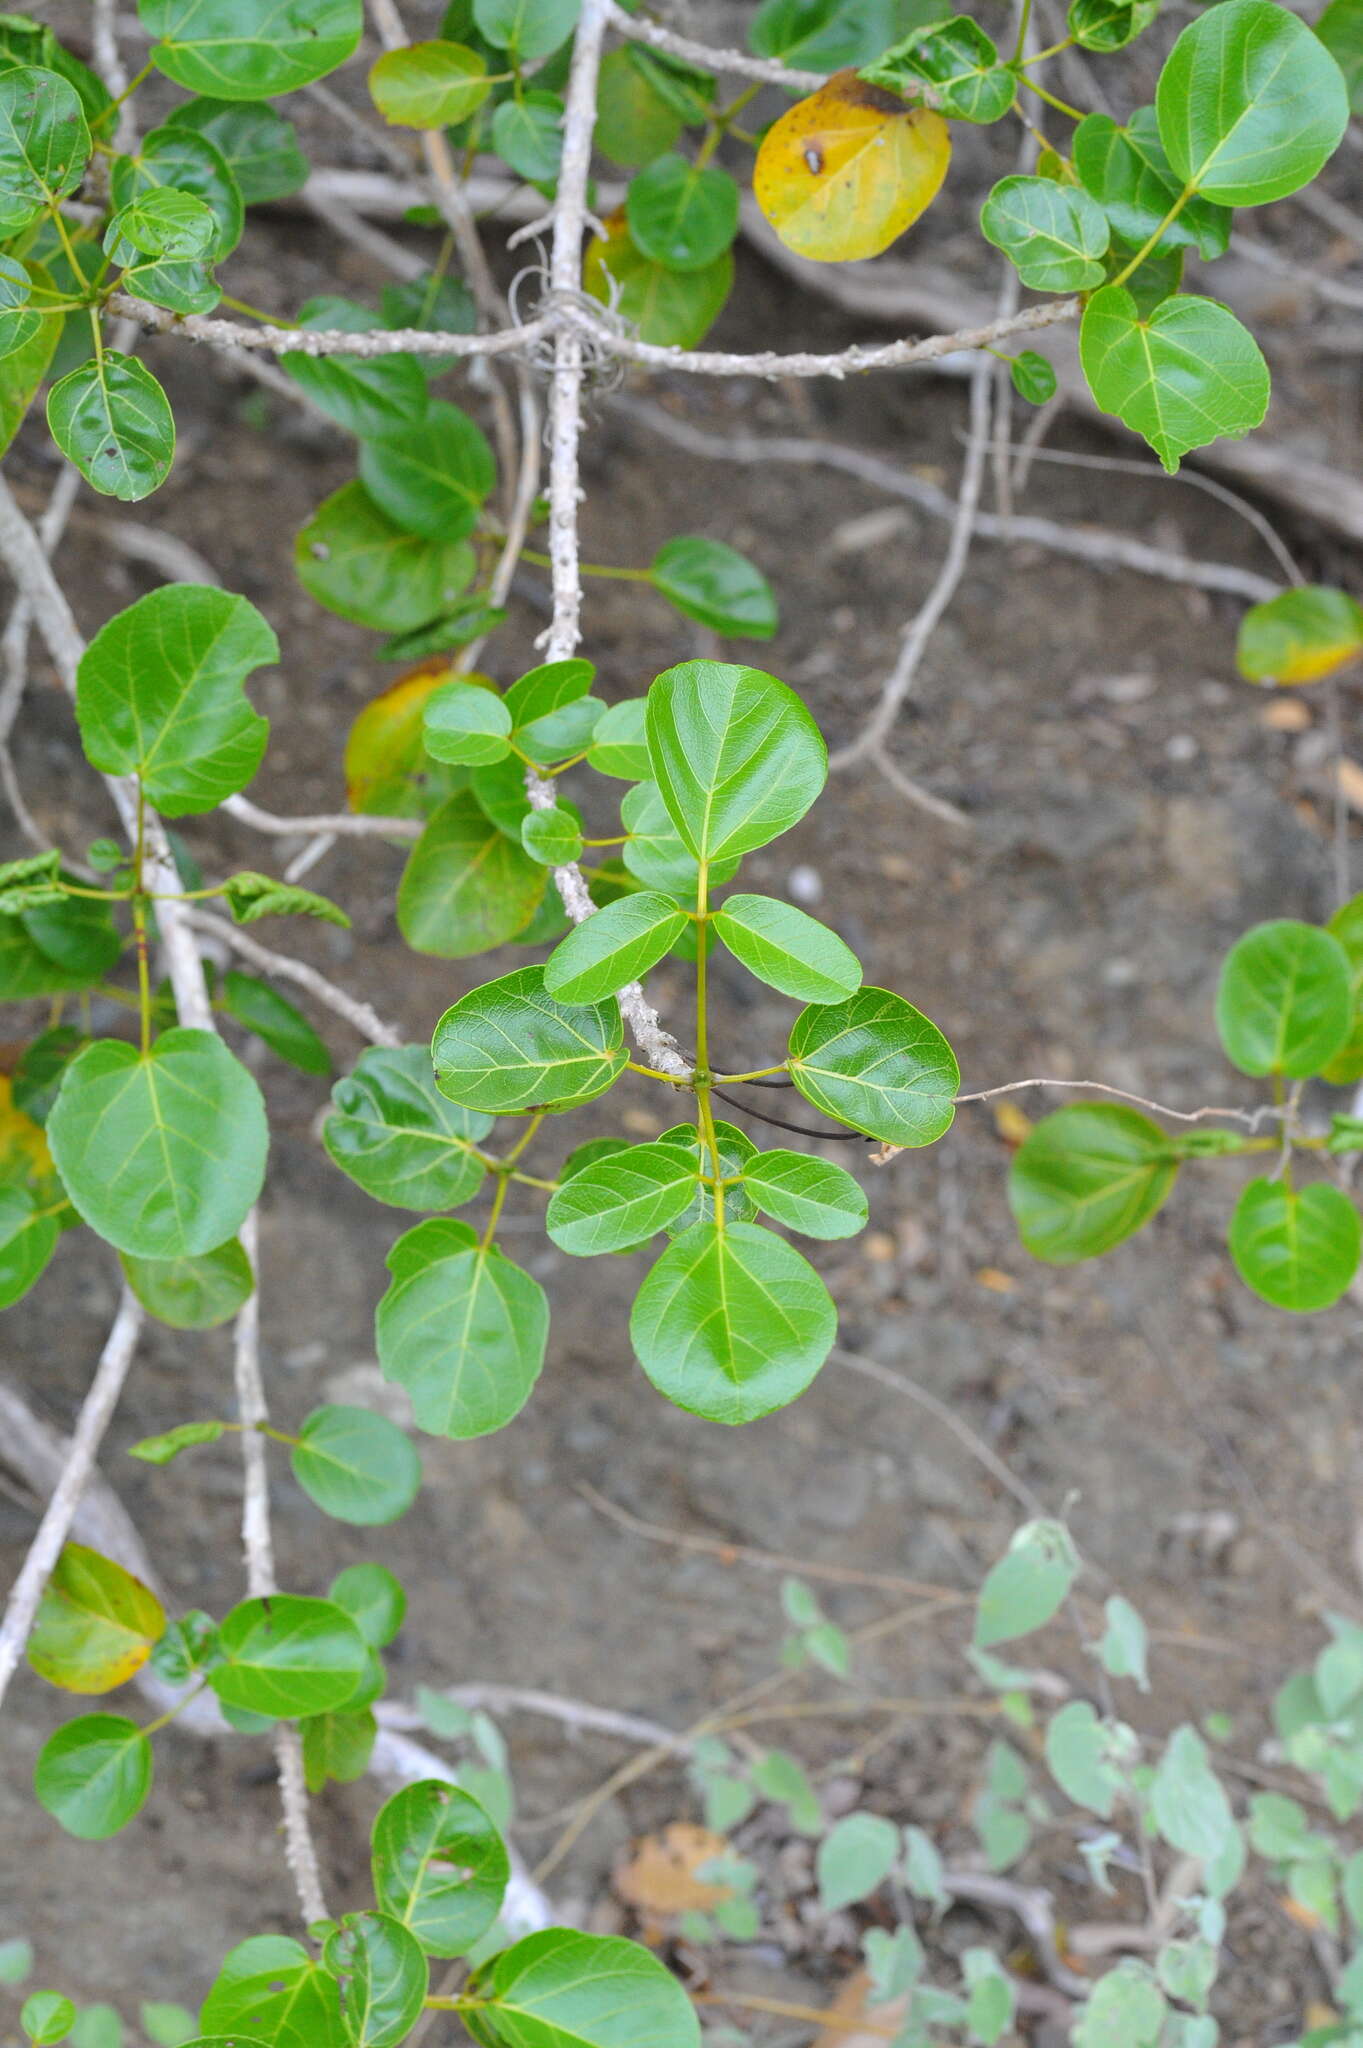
<point>843,173</point>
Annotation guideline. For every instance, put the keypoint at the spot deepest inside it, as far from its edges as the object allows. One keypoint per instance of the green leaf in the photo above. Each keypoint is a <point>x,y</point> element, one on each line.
<point>159,694</point>
<point>466,725</point>
<point>634,121</point>
<point>161,222</point>
<point>855,1857</point>
<point>111,418</point>
<point>466,887</point>
<point>654,853</point>
<point>1033,377</point>
<point>1077,1745</point>
<point>1127,172</point>
<point>615,946</point>
<point>28,1238</point>
<point>95,1625</point>
<point>958,60</point>
<point>527,134</point>
<point>369,396</point>
<point>431,475</point>
<point>735,755</point>
<point>681,214</point>
<point>373,1598</point>
<point>791,952</point>
<point>715,585</point>
<point>16,1960</point>
<point>250,49</point>
<point>1107,25</point>
<point>93,1775</point>
<point>429,85</point>
<point>383,1975</point>
<point>618,745</point>
<point>250,897</point>
<point>1186,374</point>
<point>259,147</point>
<point>1284,1003</point>
<point>737,1153</point>
<point>160,1450</point>
<point>286,1656</point>
<point>162,1153</point>
<point>273,1018</point>
<point>51,948</point>
<point>1295,1247</point>
<point>179,159</point>
<point>562,1989</point>
<point>1028,1585</point>
<point>47,2017</point>
<point>878,1065</point>
<point>550,709</point>
<point>22,369</point>
<point>615,1203</point>
<point>187,1649</point>
<point>1187,1801</point>
<point>671,308</point>
<point>552,837</point>
<point>192,1293</point>
<point>778,1776</point>
<point>1086,1178</point>
<point>509,1045</point>
<point>97,2026</point>
<point>356,1465</point>
<point>1251,105</point>
<point>809,1195</point>
<point>526,28</point>
<point>399,1138</point>
<point>1340,28</point>
<point>461,1328</point>
<point>1124,1647</point>
<point>732,1323</point>
<point>1126,2008</point>
<point>272,1985</point>
<point>1300,635</point>
<point>44,144</point>
<point>439,1866</point>
<point>337,1748</point>
<point>168,2026</point>
<point>1053,234</point>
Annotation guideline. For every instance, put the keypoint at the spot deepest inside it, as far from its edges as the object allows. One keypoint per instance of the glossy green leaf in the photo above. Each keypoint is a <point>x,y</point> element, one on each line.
<point>562,1989</point>
<point>356,1465</point>
<point>1186,374</point>
<point>1300,635</point>
<point>1284,1003</point>
<point>383,1973</point>
<point>159,694</point>
<point>671,308</point>
<point>510,1045</point>
<point>95,1625</point>
<point>552,837</point>
<point>370,396</point>
<point>164,1153</point>
<point>44,144</point>
<point>681,214</point>
<point>429,85</point>
<point>337,1748</point>
<point>439,1866</point>
<point>187,1436</point>
<point>193,1293</point>
<point>22,369</point>
<point>47,2017</point>
<point>654,853</point>
<point>613,948</point>
<point>93,1775</point>
<point>461,1328</point>
<point>737,1153</point>
<point>399,1138</point>
<point>272,1017</point>
<point>526,28</point>
<point>1106,25</point>
<point>1128,173</point>
<point>732,1323</point>
<point>1297,1248</point>
<point>170,2026</point>
<point>1251,105</point>
<point>373,1598</point>
<point>788,950</point>
<point>466,726</point>
<point>466,886</point>
<point>1346,1065</point>
<point>855,1857</point>
<point>876,1063</point>
<point>618,744</point>
<point>112,419</point>
<point>182,159</point>
<point>735,755</point>
<point>97,2026</point>
<point>354,560</point>
<point>617,1202</point>
<point>826,35</point>
<point>527,134</point>
<point>272,1985</point>
<point>50,948</point>
<point>28,1238</point>
<point>810,1195</point>
<point>1053,234</point>
<point>161,222</point>
<point>1087,1178</point>
<point>431,475</point>
<point>1340,28</point>
<point>250,49</point>
<point>715,585</point>
<point>1028,1586</point>
<point>958,60</point>
<point>259,147</point>
<point>288,1655</point>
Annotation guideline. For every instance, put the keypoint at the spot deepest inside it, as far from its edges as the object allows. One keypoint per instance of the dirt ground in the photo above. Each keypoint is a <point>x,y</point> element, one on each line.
<point>1131,814</point>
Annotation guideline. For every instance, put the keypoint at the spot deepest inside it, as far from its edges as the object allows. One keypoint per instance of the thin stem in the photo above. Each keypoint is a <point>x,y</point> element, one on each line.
<point>139,905</point>
<point>1024,23</point>
<point>1172,215</point>
<point>254,312</point>
<point>494,1215</point>
<point>1061,106</point>
<point>590,568</point>
<point>654,1073</point>
<point>510,1158</point>
<point>164,1720</point>
<point>758,1074</point>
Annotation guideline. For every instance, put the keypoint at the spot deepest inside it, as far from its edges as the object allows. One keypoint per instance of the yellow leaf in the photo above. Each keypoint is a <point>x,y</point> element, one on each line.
<point>843,173</point>
<point>96,1625</point>
<point>24,1158</point>
<point>1013,1125</point>
<point>384,754</point>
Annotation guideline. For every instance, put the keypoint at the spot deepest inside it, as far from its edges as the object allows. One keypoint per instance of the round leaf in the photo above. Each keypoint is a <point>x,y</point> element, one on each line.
<point>510,1045</point>
<point>681,214</point>
<point>112,419</point>
<point>1340,28</point>
<point>462,1329</point>
<point>842,174</point>
<point>47,2017</point>
<point>1109,24</point>
<point>527,28</point>
<point>1297,1248</point>
<point>789,951</point>
<point>590,1990</point>
<point>466,886</point>
<point>812,1196</point>
<point>354,560</point>
<point>1186,374</point>
<point>373,1598</point>
<point>272,1984</point>
<point>384,1977</point>
<point>618,745</point>
<point>732,1323</point>
<point>428,85</point>
<point>180,159</point>
<point>527,134</point>
<point>1086,1178</point>
<point>1251,105</point>
<point>552,837</point>
<point>613,1204</point>
<point>96,1624</point>
<point>356,1465</point>
<point>93,1775</point>
<point>159,694</point>
<point>1284,1003</point>
<point>735,755</point>
<point>286,1656</point>
<point>1127,172</point>
<point>855,1858</point>
<point>634,122</point>
<point>44,144</point>
<point>614,947</point>
<point>250,49</point>
<point>1028,1586</point>
<point>715,585</point>
<point>1300,636</point>
<point>431,475</point>
<point>367,395</point>
<point>959,61</point>
<point>259,147</point>
<point>399,1138</point>
<point>1054,234</point>
<point>465,725</point>
<point>876,1063</point>
<point>164,1153</point>
<point>439,1866</point>
<point>671,308</point>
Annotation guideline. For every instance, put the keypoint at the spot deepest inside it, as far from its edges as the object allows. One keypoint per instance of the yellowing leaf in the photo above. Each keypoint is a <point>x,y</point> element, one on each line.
<point>96,1624</point>
<point>1300,635</point>
<point>843,173</point>
<point>24,1158</point>
<point>384,754</point>
<point>673,308</point>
